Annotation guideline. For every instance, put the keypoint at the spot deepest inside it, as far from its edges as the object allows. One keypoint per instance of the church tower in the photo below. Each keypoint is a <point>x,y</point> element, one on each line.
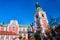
<point>40,17</point>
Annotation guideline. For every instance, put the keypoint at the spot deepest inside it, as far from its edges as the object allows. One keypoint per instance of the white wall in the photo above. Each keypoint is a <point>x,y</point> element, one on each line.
<point>7,37</point>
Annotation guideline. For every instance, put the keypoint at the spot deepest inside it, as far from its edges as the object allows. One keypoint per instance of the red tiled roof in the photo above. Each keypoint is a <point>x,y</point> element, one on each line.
<point>7,33</point>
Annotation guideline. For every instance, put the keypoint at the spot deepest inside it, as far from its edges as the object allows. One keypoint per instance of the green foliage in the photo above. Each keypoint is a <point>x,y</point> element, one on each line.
<point>54,21</point>
<point>37,36</point>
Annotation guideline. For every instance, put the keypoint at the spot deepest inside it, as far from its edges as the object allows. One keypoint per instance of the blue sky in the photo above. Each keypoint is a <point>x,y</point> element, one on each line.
<point>23,10</point>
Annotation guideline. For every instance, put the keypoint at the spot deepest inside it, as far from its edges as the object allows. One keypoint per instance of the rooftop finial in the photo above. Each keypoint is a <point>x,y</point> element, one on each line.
<point>37,4</point>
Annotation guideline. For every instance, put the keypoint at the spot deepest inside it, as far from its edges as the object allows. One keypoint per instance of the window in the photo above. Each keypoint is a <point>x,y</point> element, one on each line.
<point>36,16</point>
<point>24,34</point>
<point>42,15</point>
<point>7,37</point>
<point>20,29</point>
<point>6,28</point>
<point>29,29</point>
<point>13,28</point>
<point>2,37</point>
<point>23,29</point>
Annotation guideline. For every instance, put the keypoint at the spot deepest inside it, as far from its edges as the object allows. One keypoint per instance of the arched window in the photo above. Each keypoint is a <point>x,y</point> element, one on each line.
<point>42,15</point>
<point>36,16</point>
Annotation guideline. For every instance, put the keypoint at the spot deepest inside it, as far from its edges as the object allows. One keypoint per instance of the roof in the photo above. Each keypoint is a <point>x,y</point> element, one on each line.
<point>20,25</point>
<point>24,25</point>
<point>7,33</point>
<point>5,25</point>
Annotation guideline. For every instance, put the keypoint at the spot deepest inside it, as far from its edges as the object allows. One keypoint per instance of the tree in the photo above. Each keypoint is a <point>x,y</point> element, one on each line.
<point>51,22</point>
<point>37,36</point>
<point>57,30</point>
<point>58,20</point>
<point>20,37</point>
<point>54,21</point>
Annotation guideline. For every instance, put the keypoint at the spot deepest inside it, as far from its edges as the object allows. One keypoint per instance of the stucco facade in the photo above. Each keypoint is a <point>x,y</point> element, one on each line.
<point>14,30</point>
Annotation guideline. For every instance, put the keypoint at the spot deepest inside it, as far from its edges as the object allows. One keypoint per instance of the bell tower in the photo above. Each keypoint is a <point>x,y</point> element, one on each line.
<point>41,21</point>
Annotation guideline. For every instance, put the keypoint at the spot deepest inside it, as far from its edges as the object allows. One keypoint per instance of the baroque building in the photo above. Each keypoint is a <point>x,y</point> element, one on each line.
<point>14,30</point>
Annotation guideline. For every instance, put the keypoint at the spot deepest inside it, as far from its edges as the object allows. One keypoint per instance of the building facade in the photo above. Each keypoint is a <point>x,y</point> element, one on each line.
<point>14,30</point>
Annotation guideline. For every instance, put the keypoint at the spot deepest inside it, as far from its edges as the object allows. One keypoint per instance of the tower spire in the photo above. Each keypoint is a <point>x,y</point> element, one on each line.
<point>37,5</point>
